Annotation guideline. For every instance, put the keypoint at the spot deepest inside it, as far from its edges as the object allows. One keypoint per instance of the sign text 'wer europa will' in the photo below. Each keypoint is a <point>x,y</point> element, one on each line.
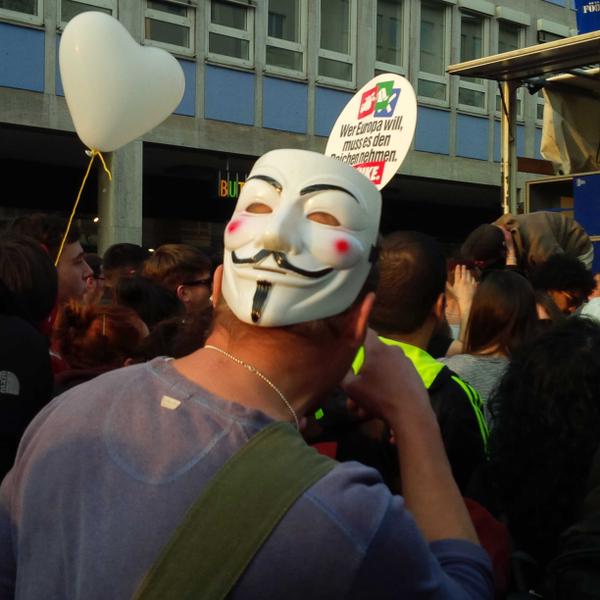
<point>374,131</point>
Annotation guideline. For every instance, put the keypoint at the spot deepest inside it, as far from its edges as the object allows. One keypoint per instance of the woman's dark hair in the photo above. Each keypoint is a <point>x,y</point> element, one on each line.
<point>151,301</point>
<point>29,278</point>
<point>546,413</point>
<point>503,313</point>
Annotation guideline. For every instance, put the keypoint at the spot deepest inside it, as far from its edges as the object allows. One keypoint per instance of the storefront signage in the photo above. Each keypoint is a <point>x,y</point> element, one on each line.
<point>588,15</point>
<point>229,187</point>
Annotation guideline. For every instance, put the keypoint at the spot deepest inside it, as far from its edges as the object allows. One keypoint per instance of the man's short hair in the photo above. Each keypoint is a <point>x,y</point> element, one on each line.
<point>412,276</point>
<point>563,272</point>
<point>172,264</point>
<point>48,230</point>
<point>29,277</point>
<point>124,255</point>
<point>485,244</point>
<point>123,260</point>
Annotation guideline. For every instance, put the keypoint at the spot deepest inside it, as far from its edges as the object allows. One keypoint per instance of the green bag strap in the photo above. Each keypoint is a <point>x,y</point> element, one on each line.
<point>234,516</point>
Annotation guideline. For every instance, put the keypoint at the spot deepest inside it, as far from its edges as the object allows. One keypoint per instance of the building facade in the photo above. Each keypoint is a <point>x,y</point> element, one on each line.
<point>265,74</point>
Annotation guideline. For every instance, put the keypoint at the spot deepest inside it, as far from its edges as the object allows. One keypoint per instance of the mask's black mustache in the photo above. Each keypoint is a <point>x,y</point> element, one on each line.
<point>260,297</point>
<point>281,261</point>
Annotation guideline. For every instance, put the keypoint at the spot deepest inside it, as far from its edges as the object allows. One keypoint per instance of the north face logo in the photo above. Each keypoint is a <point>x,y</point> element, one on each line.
<point>9,383</point>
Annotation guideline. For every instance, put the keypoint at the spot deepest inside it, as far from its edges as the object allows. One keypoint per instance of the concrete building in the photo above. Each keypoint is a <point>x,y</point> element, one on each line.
<point>264,74</point>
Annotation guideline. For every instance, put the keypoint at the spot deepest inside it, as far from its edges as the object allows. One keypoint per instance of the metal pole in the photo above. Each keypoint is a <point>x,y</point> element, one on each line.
<point>120,200</point>
<point>508,90</point>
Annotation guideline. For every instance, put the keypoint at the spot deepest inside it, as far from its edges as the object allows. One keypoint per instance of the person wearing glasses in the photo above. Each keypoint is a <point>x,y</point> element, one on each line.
<point>185,271</point>
<point>565,280</point>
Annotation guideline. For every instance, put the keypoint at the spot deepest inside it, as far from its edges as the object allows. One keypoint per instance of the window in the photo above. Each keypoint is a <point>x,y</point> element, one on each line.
<point>434,50</point>
<point>510,37</point>
<point>67,9</point>
<point>473,36</point>
<point>28,11</point>
<point>231,32</point>
<point>390,36</point>
<point>286,36</point>
<point>170,25</point>
<point>336,49</point>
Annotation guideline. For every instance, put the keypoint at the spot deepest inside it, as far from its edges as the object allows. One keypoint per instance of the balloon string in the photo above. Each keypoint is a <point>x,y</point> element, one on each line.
<point>103,164</point>
<point>92,154</point>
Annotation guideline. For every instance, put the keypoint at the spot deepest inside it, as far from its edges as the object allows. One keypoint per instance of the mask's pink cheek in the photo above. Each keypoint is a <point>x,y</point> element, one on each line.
<point>342,247</point>
<point>234,226</point>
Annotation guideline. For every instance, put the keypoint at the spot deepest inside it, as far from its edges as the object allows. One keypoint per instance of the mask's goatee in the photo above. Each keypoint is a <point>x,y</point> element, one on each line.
<point>260,297</point>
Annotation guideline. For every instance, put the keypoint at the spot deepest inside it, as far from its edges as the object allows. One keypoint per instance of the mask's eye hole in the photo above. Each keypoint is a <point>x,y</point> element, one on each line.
<point>259,208</point>
<point>324,218</point>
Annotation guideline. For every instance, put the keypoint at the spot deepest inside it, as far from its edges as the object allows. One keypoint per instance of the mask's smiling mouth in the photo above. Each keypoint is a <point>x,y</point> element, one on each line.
<point>270,269</point>
<point>281,261</point>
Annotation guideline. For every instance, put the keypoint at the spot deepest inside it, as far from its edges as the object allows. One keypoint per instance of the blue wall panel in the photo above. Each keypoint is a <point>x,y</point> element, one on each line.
<point>285,105</point>
<point>433,130</point>
<point>328,106</point>
<point>21,58</point>
<point>472,137</point>
<point>229,95</point>
<point>498,141</point>
<point>57,79</point>
<point>520,140</point>
<point>187,106</point>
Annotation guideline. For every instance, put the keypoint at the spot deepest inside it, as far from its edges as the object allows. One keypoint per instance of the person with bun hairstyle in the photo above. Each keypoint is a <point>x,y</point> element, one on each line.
<point>94,339</point>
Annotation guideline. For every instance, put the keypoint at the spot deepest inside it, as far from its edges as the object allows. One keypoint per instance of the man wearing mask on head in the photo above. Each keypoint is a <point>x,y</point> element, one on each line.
<point>129,454</point>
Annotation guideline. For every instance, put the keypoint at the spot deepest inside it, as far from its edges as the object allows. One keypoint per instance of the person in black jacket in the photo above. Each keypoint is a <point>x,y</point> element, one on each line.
<point>28,287</point>
<point>408,307</point>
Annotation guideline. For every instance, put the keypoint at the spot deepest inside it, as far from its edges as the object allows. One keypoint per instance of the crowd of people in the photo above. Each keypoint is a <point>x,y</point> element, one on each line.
<point>446,399</point>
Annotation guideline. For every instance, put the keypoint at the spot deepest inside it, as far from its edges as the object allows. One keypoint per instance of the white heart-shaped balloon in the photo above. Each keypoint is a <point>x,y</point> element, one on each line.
<point>116,90</point>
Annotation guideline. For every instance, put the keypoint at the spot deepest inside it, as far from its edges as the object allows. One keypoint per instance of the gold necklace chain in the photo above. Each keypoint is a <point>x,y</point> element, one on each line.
<point>256,372</point>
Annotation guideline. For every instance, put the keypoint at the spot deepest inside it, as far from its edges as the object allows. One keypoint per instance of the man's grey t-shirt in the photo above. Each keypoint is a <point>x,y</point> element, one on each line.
<point>108,470</point>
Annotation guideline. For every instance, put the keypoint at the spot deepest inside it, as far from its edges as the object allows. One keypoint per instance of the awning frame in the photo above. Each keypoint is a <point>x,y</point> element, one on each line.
<point>533,67</point>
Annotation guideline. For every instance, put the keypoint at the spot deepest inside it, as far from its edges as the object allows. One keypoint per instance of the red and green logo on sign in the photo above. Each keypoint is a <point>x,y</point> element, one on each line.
<point>379,101</point>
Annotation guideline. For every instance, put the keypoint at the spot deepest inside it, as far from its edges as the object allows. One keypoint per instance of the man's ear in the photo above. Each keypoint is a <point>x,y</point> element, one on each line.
<point>439,308</point>
<point>359,322</point>
<point>217,283</point>
<point>182,293</point>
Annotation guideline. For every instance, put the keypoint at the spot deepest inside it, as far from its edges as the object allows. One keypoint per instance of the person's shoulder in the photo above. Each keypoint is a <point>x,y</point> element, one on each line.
<point>20,332</point>
<point>457,360</point>
<point>450,374</point>
<point>128,376</point>
<point>450,390</point>
<point>354,498</point>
